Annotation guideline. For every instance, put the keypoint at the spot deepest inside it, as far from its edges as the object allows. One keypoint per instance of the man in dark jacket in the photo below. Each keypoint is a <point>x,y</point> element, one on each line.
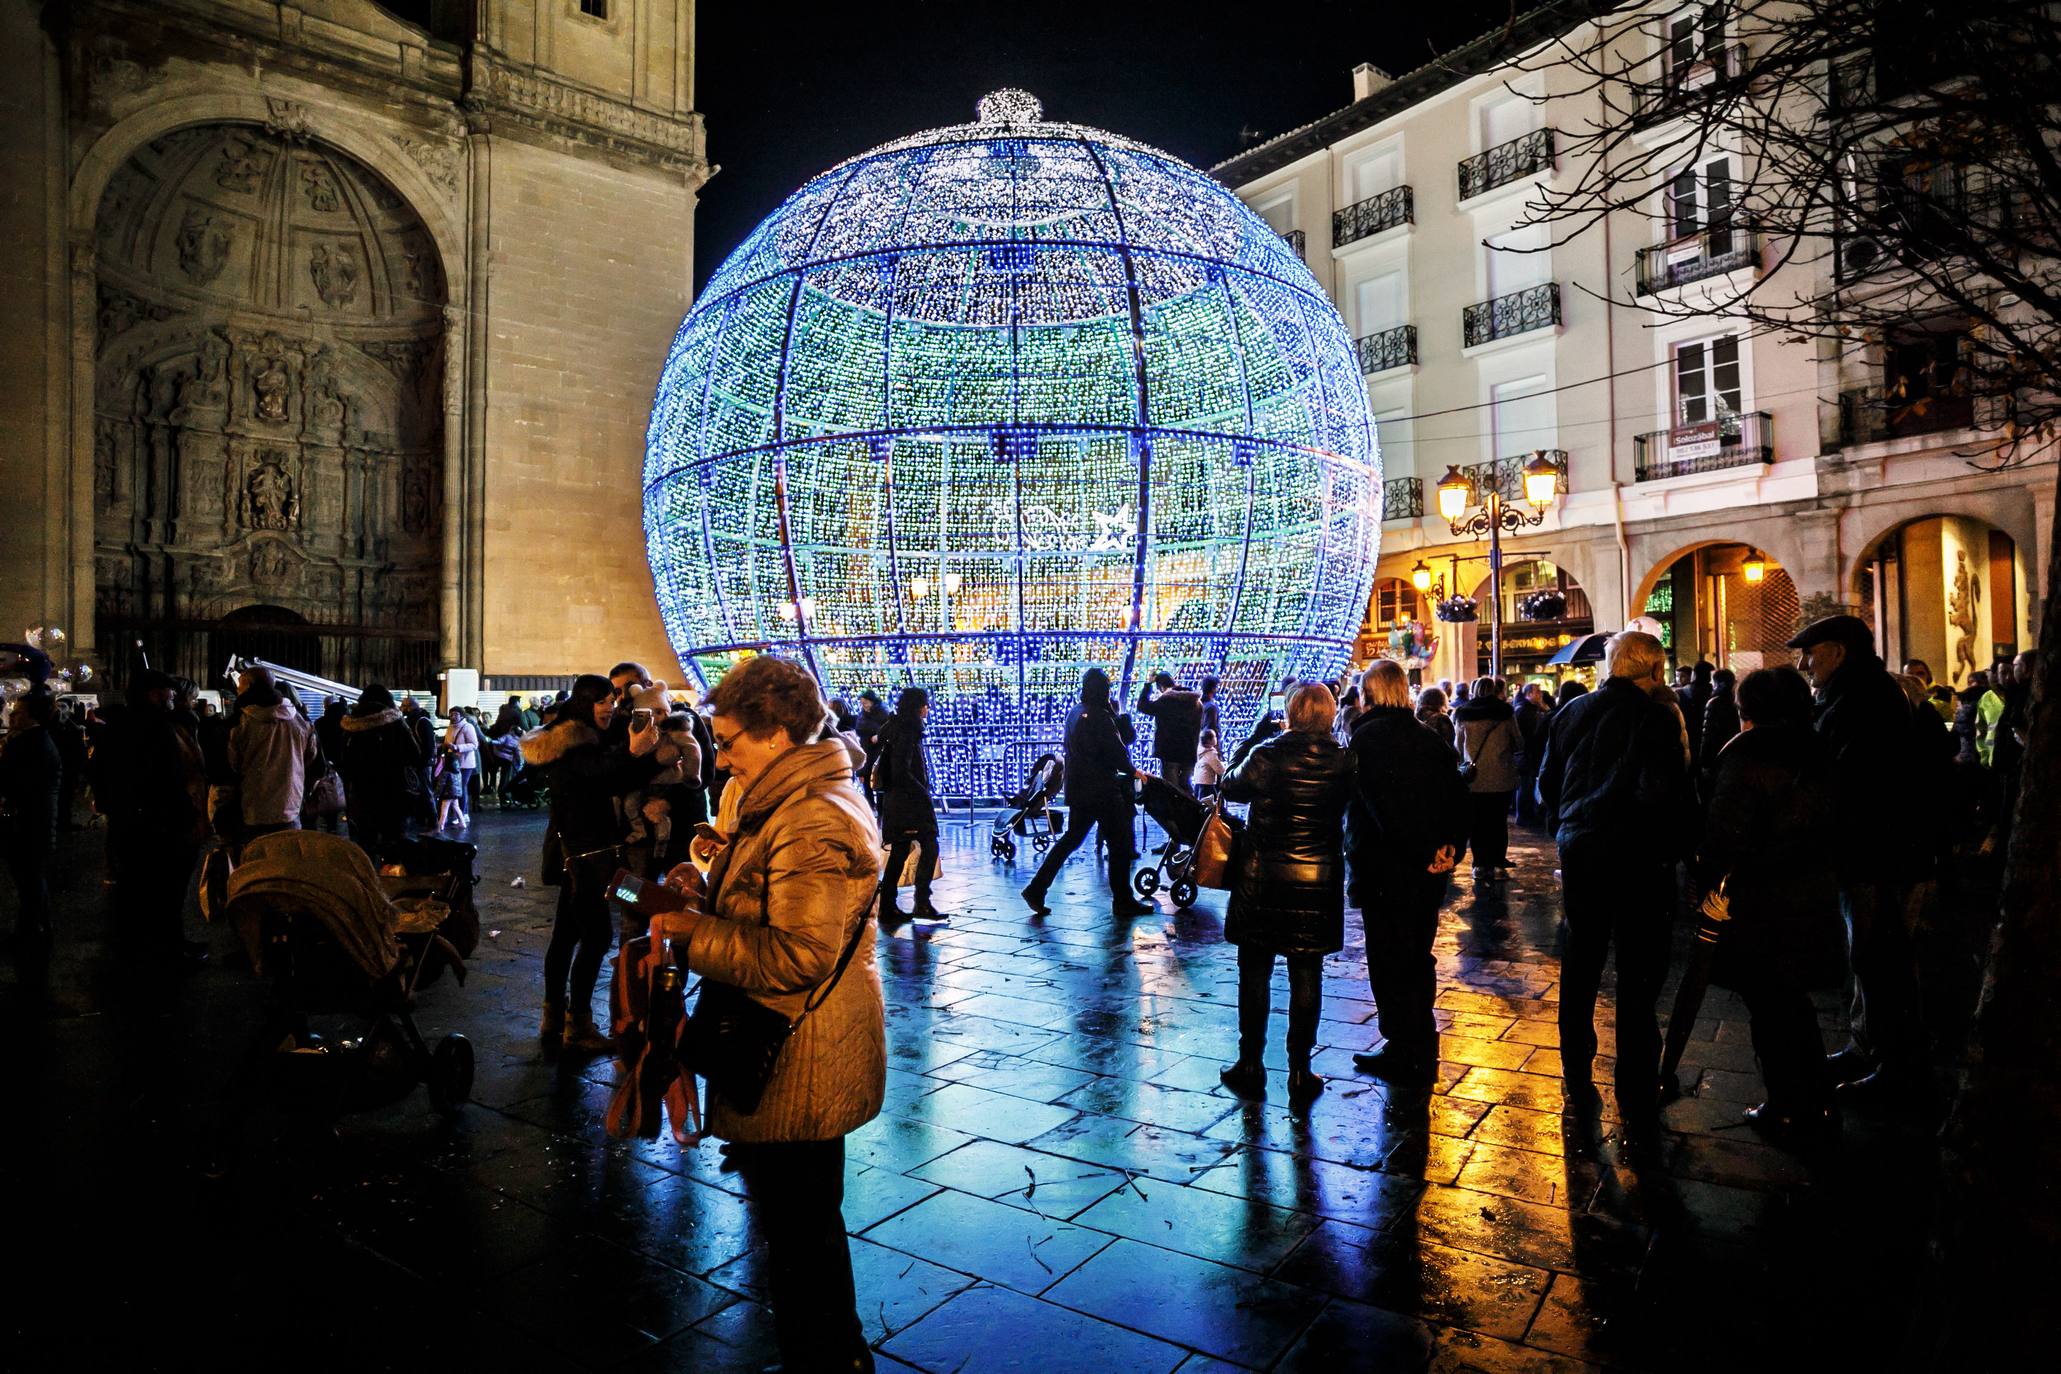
<point>872,717</point>
<point>1879,849</point>
<point>1177,713</point>
<point>1720,723</point>
<point>1404,829</point>
<point>1616,791</point>
<point>1531,725</point>
<point>1099,792</point>
<point>423,802</point>
<point>150,780</point>
<point>31,778</point>
<point>1694,698</point>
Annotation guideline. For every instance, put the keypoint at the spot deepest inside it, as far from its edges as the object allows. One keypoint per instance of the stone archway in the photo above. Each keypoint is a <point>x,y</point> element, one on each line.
<point>1951,590</point>
<point>1725,600</point>
<point>268,417</point>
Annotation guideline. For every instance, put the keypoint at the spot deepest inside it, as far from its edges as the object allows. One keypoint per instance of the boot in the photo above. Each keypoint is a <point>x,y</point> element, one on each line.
<point>1034,898</point>
<point>1303,1086</point>
<point>583,1035</point>
<point>554,1022</point>
<point>891,913</point>
<point>1247,1079</point>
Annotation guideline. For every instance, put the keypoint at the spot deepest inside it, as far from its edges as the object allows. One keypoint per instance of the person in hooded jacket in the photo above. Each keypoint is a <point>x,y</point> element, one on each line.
<point>785,919</point>
<point>908,816</point>
<point>1288,885</point>
<point>1489,744</point>
<point>1099,793</point>
<point>1880,849</point>
<point>588,776</point>
<point>1177,728</point>
<point>1720,723</point>
<point>382,770</point>
<point>1404,830</point>
<point>273,751</point>
<point>1767,837</point>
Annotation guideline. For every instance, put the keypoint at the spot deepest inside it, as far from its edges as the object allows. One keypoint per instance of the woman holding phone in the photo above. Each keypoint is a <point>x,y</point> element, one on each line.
<point>785,918</point>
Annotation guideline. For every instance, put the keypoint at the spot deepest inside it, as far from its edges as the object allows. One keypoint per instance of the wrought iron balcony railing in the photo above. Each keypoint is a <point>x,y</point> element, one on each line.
<point>1506,476</point>
<point>1535,307</point>
<point>1506,162</point>
<point>1684,83</point>
<point>1395,347</point>
<point>1867,415</point>
<point>1296,241</point>
<point>1730,441</point>
<point>1707,253</point>
<point>1402,498</point>
<point>1366,218</point>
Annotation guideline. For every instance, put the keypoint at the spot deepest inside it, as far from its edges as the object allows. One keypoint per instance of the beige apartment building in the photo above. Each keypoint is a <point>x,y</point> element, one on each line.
<point>333,327</point>
<point>1720,482</point>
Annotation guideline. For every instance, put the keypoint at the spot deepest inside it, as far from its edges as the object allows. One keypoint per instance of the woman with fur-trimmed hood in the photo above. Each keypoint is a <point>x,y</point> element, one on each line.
<point>382,769</point>
<point>589,777</point>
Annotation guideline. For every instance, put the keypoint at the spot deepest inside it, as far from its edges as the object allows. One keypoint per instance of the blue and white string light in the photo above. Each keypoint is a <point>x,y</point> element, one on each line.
<point>996,402</point>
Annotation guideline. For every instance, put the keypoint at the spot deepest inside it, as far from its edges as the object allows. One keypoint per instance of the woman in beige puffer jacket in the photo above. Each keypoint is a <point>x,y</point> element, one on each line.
<point>797,880</point>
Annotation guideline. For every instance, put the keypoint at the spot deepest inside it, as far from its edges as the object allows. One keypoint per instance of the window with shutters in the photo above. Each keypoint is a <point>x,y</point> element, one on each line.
<point>1707,380</point>
<point>1700,198</point>
<point>1695,35</point>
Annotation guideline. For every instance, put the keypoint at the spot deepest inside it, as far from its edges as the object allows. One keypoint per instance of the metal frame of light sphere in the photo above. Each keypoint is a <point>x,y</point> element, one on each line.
<point>1455,492</point>
<point>996,402</point>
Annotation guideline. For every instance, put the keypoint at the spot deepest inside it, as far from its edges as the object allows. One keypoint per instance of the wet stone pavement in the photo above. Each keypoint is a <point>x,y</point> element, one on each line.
<point>1058,1182</point>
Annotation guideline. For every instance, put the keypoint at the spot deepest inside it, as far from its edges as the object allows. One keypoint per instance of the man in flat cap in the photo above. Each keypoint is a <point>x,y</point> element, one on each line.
<point>1880,856</point>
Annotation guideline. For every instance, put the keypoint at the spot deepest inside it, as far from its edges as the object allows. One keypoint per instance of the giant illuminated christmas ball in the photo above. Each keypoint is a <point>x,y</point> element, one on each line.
<point>995,402</point>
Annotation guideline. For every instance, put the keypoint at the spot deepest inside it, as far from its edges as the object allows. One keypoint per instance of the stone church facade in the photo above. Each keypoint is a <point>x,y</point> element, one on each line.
<point>333,331</point>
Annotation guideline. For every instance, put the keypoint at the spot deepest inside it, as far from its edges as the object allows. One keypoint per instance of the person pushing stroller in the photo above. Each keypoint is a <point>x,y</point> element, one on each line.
<point>1099,783</point>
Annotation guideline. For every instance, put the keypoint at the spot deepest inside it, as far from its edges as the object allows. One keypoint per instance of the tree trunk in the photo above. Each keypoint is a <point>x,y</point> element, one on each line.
<point>1998,1231</point>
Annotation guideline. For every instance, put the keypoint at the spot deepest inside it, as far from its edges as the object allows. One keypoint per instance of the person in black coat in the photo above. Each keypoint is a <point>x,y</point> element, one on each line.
<point>31,780</point>
<point>1693,699</point>
<point>1768,839</point>
<point>1615,785</point>
<point>149,778</point>
<point>872,719</point>
<point>588,776</point>
<point>1530,714</point>
<point>1288,885</point>
<point>908,816</point>
<point>1880,849</point>
<point>1177,732</point>
<point>1100,783</point>
<point>382,770</point>
<point>1720,723</point>
<point>1403,834</point>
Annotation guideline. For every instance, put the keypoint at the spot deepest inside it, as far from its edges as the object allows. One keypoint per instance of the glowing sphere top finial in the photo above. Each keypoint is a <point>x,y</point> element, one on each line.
<point>1009,106</point>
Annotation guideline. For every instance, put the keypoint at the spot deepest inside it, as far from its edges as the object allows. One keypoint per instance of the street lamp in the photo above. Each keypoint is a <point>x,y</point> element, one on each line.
<point>1420,577</point>
<point>1541,489</point>
<point>1755,567</point>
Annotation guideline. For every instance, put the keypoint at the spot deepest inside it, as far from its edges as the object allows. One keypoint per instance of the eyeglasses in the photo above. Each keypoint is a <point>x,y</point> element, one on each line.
<point>723,743</point>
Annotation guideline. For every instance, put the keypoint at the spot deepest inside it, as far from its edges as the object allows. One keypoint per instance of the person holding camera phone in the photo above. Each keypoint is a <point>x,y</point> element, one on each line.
<point>784,918</point>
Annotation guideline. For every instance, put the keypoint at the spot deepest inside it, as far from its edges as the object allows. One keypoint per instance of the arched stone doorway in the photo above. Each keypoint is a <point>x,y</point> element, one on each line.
<point>1531,636</point>
<point>1949,589</point>
<point>268,406</point>
<point>1731,604</point>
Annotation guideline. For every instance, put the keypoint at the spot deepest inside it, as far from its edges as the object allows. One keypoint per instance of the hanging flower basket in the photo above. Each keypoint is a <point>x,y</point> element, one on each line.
<point>1543,605</point>
<point>1455,610</point>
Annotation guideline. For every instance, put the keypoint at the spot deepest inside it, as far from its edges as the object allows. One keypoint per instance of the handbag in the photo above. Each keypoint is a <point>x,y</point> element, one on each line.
<point>737,1040</point>
<point>1468,771</point>
<point>907,877</point>
<point>326,797</point>
<point>1213,851</point>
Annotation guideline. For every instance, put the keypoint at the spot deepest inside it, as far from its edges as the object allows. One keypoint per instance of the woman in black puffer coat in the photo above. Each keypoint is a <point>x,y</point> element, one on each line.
<point>382,770</point>
<point>1288,890</point>
<point>1770,837</point>
<point>908,816</point>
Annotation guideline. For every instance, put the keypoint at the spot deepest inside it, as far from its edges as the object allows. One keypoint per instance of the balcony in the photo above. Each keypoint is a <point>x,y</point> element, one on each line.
<point>1868,415</point>
<point>1683,83</point>
<point>1535,307</point>
<point>1707,253</point>
<point>1730,441</point>
<point>1296,241</point>
<point>1505,476</point>
<point>1506,162</point>
<point>1402,498</point>
<point>1395,347</point>
<point>1366,218</point>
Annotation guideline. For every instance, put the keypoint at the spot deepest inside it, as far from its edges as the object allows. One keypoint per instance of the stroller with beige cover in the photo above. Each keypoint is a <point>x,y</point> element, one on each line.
<point>318,926</point>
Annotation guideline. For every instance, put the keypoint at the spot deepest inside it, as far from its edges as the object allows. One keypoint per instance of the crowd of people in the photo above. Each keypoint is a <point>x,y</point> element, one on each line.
<point>769,810</point>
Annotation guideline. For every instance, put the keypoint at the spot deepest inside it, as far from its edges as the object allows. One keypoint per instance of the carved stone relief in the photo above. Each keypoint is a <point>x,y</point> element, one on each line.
<point>254,428</point>
<point>203,246</point>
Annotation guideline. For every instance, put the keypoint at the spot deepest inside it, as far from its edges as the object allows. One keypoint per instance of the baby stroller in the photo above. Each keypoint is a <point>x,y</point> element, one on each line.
<point>1181,817</point>
<point>317,925</point>
<point>430,881</point>
<point>1030,814</point>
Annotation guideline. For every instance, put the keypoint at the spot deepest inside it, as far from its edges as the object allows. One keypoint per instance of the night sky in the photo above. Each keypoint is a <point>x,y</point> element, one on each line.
<point>787,96</point>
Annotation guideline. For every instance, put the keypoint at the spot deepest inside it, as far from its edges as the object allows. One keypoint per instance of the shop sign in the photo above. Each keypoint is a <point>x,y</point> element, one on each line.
<point>1695,441</point>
